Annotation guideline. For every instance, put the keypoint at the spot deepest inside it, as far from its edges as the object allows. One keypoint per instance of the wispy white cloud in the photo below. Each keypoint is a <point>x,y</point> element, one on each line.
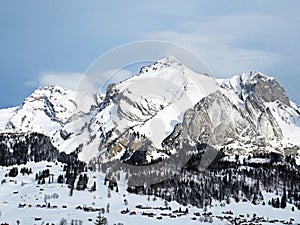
<point>91,82</point>
<point>30,83</point>
<point>64,79</point>
<point>229,43</point>
<point>98,82</point>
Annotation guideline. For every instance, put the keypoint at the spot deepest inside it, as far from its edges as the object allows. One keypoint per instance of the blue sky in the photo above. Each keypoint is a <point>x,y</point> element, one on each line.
<point>47,42</point>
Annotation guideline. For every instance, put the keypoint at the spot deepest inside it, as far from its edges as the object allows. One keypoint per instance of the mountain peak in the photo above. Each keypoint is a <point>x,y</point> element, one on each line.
<point>254,76</point>
<point>255,83</point>
<point>165,62</point>
<point>47,91</point>
<point>169,60</point>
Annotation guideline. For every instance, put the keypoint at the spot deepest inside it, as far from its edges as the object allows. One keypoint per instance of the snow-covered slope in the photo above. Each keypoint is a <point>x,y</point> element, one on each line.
<point>5,115</point>
<point>288,119</point>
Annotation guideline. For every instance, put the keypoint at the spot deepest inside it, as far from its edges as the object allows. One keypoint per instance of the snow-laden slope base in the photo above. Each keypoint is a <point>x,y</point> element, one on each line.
<point>25,191</point>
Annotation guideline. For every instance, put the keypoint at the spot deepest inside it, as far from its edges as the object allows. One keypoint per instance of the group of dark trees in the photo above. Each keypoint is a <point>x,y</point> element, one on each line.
<point>101,219</point>
<point>41,176</point>
<point>201,188</point>
<point>63,221</point>
<point>224,181</point>
<point>82,182</point>
<point>13,172</point>
<point>75,171</point>
<point>112,185</point>
<point>72,171</point>
<point>25,170</point>
<point>21,148</point>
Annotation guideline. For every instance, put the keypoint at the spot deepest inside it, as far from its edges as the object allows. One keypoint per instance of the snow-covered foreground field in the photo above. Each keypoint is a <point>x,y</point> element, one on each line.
<point>21,198</point>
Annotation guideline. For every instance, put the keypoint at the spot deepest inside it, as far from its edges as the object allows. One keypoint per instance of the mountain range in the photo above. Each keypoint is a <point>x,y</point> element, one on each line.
<point>164,105</point>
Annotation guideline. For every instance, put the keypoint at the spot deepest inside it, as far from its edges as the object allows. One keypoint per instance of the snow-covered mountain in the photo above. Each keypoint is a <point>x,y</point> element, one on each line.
<point>160,93</point>
<point>165,103</point>
<point>46,111</point>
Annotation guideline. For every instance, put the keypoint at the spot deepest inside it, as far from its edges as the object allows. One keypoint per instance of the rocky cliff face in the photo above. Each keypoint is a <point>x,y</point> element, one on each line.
<point>267,89</point>
<point>217,121</point>
<point>263,87</point>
